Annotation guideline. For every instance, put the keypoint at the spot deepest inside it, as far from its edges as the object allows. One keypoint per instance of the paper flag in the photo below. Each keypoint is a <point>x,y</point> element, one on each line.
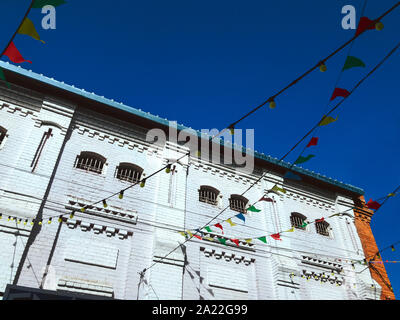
<point>339,92</point>
<point>304,225</point>
<point>208,238</point>
<point>3,77</point>
<point>327,120</point>
<point>253,209</point>
<point>276,188</point>
<point>219,226</point>
<point>263,239</point>
<point>189,233</point>
<point>236,241</point>
<point>265,198</point>
<point>302,159</point>
<point>198,237</point>
<point>248,240</point>
<point>365,24</point>
<point>353,62</point>
<point>313,142</point>
<point>230,222</point>
<point>276,236</point>
<point>41,3</point>
<point>14,55</point>
<point>208,229</point>
<point>241,217</point>
<point>182,233</point>
<point>29,29</point>
<point>373,205</point>
<point>391,194</point>
<point>290,230</point>
<point>222,240</point>
<point>292,176</point>
<point>320,220</point>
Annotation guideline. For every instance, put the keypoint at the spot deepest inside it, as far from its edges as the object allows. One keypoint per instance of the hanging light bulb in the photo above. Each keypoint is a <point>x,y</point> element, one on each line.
<point>322,67</point>
<point>393,248</point>
<point>25,222</point>
<point>1,216</point>
<point>12,219</point>
<point>60,219</point>
<point>232,129</point>
<point>121,195</point>
<point>379,26</point>
<point>143,183</point>
<point>40,222</point>
<point>50,219</point>
<point>72,215</point>
<point>19,221</point>
<point>32,222</point>
<point>105,205</point>
<point>168,169</point>
<point>83,209</point>
<point>272,104</point>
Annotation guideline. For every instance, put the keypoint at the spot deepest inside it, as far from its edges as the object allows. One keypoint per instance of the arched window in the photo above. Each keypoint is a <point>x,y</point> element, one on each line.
<point>238,203</point>
<point>297,220</point>
<point>128,172</point>
<point>208,194</point>
<point>3,134</point>
<point>322,228</point>
<point>90,161</point>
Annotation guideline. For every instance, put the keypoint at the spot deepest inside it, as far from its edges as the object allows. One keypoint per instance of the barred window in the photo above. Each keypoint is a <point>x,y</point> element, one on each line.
<point>128,172</point>
<point>208,194</point>
<point>322,228</point>
<point>238,203</point>
<point>90,161</point>
<point>297,220</point>
<point>3,133</point>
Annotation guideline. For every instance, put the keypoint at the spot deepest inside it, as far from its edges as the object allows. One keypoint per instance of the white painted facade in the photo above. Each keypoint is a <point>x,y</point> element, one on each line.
<point>102,250</point>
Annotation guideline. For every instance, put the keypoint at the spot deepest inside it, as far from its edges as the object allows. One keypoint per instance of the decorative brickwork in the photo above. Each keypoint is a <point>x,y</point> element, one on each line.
<point>363,217</point>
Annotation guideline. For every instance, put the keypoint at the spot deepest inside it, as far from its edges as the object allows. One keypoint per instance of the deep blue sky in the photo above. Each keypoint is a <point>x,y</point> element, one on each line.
<point>205,64</point>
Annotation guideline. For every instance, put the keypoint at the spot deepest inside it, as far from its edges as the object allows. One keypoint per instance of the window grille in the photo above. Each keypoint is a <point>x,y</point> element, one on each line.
<point>322,228</point>
<point>90,161</point>
<point>238,203</point>
<point>3,133</point>
<point>208,195</point>
<point>129,172</point>
<point>297,220</point>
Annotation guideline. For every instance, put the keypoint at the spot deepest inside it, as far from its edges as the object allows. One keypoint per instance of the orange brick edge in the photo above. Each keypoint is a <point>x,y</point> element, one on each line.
<point>363,217</point>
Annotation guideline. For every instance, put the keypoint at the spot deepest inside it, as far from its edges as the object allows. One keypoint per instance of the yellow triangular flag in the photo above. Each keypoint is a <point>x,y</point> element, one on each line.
<point>189,233</point>
<point>276,188</point>
<point>391,194</point>
<point>231,223</point>
<point>29,29</point>
<point>291,230</point>
<point>182,233</point>
<point>208,238</point>
<point>248,240</point>
<point>327,120</point>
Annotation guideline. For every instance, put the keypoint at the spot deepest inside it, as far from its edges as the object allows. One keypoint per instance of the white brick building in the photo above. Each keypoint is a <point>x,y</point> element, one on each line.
<point>102,250</point>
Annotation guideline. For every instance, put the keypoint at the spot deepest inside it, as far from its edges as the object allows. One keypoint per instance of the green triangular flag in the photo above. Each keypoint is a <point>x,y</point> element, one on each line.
<point>304,225</point>
<point>302,159</point>
<point>263,239</point>
<point>208,229</point>
<point>222,240</point>
<point>3,77</point>
<point>352,62</point>
<point>41,3</point>
<point>253,209</point>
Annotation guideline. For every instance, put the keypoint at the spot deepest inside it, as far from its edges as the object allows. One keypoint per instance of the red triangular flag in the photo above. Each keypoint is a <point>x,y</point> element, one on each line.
<point>14,55</point>
<point>365,24</point>
<point>219,226</point>
<point>264,198</point>
<point>339,92</point>
<point>320,220</point>
<point>198,237</point>
<point>276,236</point>
<point>236,241</point>
<point>373,205</point>
<point>313,142</point>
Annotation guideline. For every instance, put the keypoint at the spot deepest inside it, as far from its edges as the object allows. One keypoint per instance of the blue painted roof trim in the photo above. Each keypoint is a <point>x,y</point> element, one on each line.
<point>147,115</point>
